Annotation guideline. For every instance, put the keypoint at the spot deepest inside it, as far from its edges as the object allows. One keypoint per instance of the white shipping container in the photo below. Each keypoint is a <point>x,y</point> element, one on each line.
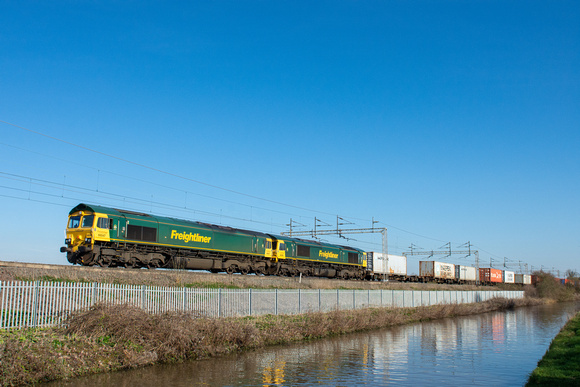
<point>508,277</point>
<point>465,273</point>
<point>397,264</point>
<point>436,269</point>
<point>524,279</point>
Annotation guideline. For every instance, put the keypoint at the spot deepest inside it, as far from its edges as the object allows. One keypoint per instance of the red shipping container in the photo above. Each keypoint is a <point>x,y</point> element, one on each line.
<point>487,275</point>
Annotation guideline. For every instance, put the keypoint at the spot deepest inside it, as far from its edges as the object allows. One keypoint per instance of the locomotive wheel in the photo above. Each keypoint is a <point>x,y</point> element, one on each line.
<point>244,270</point>
<point>104,261</point>
<point>153,264</point>
<point>231,269</point>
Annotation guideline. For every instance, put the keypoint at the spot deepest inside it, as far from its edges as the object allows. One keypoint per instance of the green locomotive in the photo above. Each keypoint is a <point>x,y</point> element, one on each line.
<point>103,236</point>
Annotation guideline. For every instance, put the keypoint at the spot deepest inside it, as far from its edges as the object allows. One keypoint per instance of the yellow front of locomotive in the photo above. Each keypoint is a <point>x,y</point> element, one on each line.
<point>80,237</point>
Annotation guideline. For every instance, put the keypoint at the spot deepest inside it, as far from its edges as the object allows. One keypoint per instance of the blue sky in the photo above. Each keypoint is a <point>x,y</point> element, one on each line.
<point>447,121</point>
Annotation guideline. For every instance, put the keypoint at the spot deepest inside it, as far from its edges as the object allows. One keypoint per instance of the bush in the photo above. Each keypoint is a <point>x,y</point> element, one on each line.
<point>548,287</point>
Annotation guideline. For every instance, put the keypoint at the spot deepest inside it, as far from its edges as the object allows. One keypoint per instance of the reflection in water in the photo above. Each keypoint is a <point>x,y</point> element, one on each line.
<point>499,348</point>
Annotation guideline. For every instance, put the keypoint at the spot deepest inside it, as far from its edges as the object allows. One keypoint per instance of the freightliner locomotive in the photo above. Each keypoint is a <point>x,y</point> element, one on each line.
<point>103,236</point>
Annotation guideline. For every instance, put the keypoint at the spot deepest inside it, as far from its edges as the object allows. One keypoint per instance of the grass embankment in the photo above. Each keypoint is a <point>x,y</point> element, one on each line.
<point>560,366</point>
<point>108,337</point>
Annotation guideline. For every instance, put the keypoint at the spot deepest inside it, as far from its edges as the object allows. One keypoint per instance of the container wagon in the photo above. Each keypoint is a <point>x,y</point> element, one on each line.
<point>489,276</point>
<point>465,274</point>
<point>380,268</point>
<point>433,271</point>
<point>523,279</point>
<point>508,277</point>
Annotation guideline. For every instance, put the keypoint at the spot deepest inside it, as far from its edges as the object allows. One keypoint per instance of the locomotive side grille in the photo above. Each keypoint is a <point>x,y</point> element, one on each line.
<point>303,251</point>
<point>140,233</point>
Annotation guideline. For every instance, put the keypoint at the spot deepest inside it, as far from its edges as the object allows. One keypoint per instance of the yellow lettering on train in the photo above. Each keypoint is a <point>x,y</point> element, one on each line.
<point>327,254</point>
<point>189,237</point>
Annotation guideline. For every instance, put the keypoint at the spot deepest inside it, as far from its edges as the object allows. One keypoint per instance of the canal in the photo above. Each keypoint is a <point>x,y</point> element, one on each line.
<point>491,349</point>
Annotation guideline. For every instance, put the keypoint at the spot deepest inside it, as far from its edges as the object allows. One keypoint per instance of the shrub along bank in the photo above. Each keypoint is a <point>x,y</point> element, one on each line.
<point>114,337</point>
<point>560,366</point>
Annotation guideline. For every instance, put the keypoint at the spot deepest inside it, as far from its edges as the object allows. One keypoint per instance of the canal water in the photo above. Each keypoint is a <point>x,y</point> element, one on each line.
<point>492,349</point>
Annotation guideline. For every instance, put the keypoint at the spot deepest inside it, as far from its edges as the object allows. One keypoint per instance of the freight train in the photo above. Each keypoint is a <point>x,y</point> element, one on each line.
<point>109,237</point>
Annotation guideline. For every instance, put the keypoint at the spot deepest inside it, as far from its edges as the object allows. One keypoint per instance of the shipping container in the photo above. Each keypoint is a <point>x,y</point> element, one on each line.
<point>489,275</point>
<point>465,273</point>
<point>508,277</point>
<point>437,270</point>
<point>523,279</point>
<point>396,265</point>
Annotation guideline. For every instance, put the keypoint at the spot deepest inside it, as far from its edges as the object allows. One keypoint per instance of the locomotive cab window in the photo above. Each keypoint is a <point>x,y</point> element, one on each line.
<point>281,246</point>
<point>268,244</point>
<point>74,222</point>
<point>88,221</point>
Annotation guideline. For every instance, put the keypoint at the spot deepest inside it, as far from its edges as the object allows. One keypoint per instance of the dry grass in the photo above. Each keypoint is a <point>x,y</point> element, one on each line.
<point>113,337</point>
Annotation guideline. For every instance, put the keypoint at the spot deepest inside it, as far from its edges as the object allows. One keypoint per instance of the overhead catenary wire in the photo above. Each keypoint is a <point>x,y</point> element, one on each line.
<point>168,173</point>
<point>161,205</point>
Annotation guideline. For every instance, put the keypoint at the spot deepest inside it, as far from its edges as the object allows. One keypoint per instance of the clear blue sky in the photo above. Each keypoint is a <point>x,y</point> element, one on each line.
<point>445,120</point>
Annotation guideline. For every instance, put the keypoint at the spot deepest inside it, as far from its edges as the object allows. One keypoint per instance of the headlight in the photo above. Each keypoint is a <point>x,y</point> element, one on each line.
<point>67,241</point>
<point>87,240</point>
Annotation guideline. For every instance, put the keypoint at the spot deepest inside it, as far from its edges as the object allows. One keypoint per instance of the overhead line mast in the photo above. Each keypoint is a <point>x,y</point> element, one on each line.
<point>340,231</point>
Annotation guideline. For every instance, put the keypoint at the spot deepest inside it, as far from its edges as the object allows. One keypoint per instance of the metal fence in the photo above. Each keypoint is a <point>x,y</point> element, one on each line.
<point>41,304</point>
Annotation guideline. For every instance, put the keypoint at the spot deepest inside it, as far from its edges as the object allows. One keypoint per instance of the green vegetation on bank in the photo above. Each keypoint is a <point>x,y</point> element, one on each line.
<point>560,366</point>
<point>114,337</point>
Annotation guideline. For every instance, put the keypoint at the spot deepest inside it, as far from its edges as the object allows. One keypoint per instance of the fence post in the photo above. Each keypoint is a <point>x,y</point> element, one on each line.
<point>337,300</point>
<point>219,302</point>
<point>92,299</point>
<point>276,303</point>
<point>143,297</point>
<point>319,301</point>
<point>250,301</point>
<point>35,304</point>
<point>353,299</point>
<point>184,302</point>
<point>299,301</point>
